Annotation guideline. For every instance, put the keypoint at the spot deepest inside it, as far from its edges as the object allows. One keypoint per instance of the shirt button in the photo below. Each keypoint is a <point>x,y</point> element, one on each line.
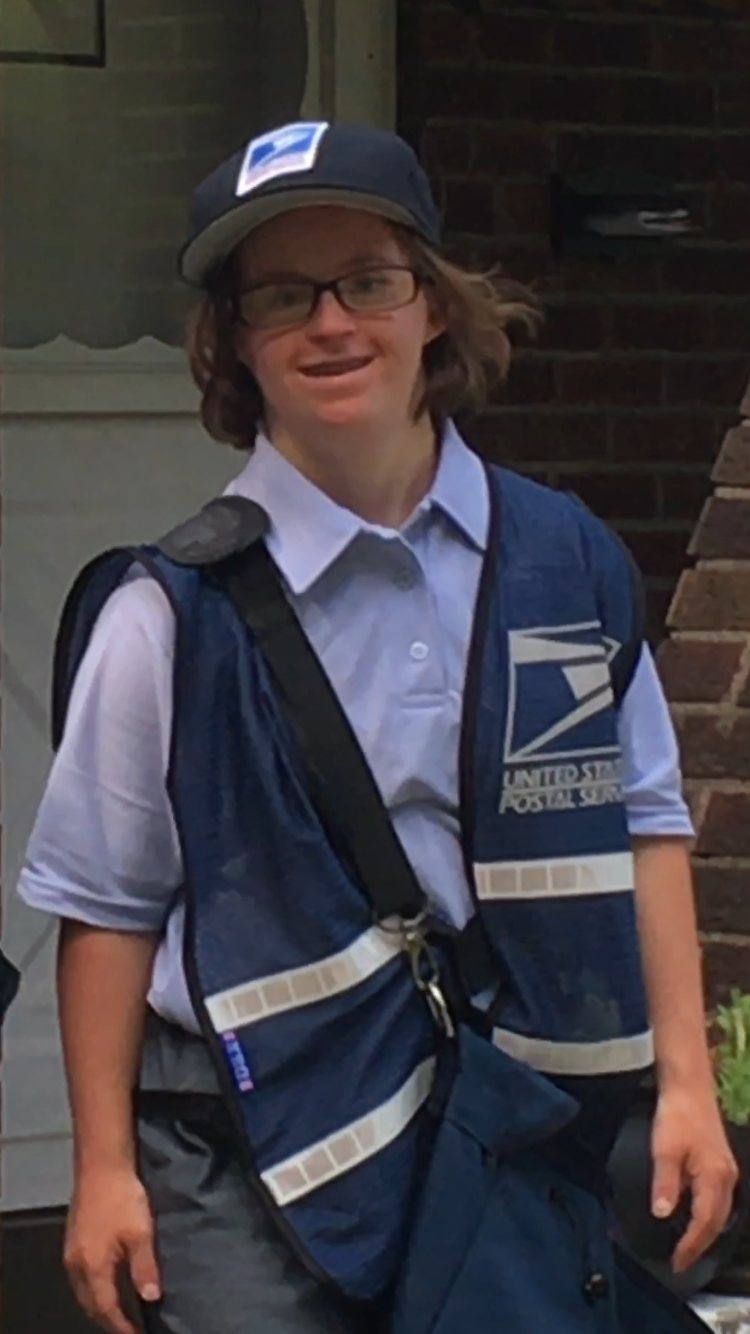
<point>596,1287</point>
<point>404,579</point>
<point>419,651</point>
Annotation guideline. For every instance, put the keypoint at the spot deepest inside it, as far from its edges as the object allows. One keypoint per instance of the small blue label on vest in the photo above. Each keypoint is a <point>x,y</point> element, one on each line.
<point>238,1062</point>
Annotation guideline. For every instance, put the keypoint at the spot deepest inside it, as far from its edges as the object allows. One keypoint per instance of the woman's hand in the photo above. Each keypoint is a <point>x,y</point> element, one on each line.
<point>690,1150</point>
<point>109,1228</point>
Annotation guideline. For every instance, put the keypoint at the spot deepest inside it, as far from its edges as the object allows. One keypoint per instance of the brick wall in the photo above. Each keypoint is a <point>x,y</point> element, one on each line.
<point>642,363</point>
<point>706,668</point>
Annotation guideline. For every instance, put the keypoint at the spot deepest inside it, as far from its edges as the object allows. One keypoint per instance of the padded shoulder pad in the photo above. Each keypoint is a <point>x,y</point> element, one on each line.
<point>222,528</point>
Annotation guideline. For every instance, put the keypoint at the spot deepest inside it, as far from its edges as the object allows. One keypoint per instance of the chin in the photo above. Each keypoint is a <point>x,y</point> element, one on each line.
<point>351,412</point>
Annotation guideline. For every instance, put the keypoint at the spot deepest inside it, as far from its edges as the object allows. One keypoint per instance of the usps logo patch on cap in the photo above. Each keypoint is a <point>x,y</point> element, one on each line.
<point>281,152</point>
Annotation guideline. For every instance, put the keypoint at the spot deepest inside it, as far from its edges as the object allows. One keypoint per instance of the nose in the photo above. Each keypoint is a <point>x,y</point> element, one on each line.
<point>330,319</point>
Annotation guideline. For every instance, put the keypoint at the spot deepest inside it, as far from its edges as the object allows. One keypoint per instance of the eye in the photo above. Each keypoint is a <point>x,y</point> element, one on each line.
<point>369,282</point>
<point>287,296</point>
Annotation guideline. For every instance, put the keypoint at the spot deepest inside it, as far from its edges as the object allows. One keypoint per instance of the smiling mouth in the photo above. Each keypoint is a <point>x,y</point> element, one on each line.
<point>332,369</point>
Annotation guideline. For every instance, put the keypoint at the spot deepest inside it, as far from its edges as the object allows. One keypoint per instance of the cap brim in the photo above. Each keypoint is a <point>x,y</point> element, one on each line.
<point>205,252</point>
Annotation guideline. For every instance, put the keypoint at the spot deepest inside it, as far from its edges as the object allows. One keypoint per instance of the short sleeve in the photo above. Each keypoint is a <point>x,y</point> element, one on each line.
<point>104,848</point>
<point>652,780</point>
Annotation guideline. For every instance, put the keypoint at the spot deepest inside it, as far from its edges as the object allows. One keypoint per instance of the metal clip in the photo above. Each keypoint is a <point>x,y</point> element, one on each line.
<point>424,967</point>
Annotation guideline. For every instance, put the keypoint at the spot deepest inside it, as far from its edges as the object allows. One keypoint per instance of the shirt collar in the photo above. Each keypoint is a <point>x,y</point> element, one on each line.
<point>309,531</point>
<point>460,488</point>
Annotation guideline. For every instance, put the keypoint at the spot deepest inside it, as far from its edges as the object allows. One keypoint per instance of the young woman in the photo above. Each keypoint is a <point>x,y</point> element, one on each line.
<point>520,741</point>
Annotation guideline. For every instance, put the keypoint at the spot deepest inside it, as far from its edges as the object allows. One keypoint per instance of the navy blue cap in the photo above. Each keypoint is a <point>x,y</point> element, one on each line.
<point>312,162</point>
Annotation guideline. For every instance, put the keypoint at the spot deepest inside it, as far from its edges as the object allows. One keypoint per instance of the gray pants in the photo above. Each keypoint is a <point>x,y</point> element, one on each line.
<point>225,1268</point>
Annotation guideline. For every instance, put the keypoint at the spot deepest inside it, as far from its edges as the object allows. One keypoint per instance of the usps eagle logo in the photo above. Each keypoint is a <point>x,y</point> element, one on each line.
<point>282,152</point>
<point>559,682</point>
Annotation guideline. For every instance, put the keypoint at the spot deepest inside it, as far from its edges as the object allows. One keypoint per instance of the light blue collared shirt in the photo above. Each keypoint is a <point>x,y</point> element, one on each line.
<point>390,614</point>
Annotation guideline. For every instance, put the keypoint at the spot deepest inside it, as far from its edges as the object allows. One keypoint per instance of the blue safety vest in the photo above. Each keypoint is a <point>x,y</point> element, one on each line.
<point>326,1047</point>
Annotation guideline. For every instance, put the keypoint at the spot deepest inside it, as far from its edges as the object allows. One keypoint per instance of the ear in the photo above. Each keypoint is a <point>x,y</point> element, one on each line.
<point>436,324</point>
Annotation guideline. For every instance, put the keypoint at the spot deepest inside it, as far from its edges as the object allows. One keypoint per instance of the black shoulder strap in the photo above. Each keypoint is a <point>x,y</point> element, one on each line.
<point>346,791</point>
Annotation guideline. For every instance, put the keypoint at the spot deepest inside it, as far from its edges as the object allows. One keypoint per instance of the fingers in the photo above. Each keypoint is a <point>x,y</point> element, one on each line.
<point>97,1293</point>
<point>713,1192</point>
<point>144,1270</point>
<point>666,1185</point>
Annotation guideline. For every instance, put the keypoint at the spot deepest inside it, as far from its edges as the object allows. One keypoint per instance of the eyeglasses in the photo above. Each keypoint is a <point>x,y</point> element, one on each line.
<point>290,301</point>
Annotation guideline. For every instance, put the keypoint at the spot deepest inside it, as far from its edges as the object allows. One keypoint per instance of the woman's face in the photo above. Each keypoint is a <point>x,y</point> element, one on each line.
<point>337,368</point>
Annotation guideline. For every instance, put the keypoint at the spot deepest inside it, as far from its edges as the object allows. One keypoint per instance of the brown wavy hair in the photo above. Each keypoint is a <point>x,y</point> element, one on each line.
<point>462,366</point>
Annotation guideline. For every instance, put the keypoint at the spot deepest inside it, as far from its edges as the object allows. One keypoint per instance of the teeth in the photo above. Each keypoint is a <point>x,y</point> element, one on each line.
<point>339,369</point>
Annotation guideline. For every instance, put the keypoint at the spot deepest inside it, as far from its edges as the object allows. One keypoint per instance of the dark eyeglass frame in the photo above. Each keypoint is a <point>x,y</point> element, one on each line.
<point>319,289</point>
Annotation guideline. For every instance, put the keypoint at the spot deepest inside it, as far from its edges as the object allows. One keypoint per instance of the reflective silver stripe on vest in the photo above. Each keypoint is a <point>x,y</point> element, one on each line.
<point>267,996</point>
<point>614,1056</point>
<point>611,873</point>
<point>354,1144</point>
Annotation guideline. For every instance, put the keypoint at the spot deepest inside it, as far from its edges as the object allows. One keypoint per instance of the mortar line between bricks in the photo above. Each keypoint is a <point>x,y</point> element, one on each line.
<point>611,130</point>
<point>740,678</point>
<point>703,788</point>
<point>702,860</point>
<point>628,73</point>
<point>722,709</point>
<point>709,636</point>
<point>724,938</point>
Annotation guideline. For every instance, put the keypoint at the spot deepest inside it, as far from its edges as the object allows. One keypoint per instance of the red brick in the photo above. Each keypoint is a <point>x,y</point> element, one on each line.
<point>512,152</point>
<point>445,35</point>
<point>538,437</point>
<point>468,206</point>
<point>733,156</point>
<point>730,322</point>
<point>731,211</point>
<point>726,966</point>
<point>562,98</point>
<point>531,381</point>
<point>614,495</point>
<point>683,494</point>
<point>709,47</point>
<point>712,599</point>
<point>723,893</point>
<point>698,671</point>
<point>697,199</point>
<point>679,158</point>
<point>743,699</point>
<point>463,93</point>
<point>663,102</point>
<point>733,104</point>
<point>446,149</point>
<point>575,327</point>
<point>705,381</point>
<point>586,42</point>
<point>658,552</point>
<point>714,745</point>
<point>723,531</point>
<point>658,600</point>
<point>695,270</point>
<point>513,38</point>
<point>526,260</point>
<point>622,382</point>
<point>733,464</point>
<point>630,275</point>
<point>671,439</point>
<point>667,327</point>
<point>725,829</point>
<point>524,207</point>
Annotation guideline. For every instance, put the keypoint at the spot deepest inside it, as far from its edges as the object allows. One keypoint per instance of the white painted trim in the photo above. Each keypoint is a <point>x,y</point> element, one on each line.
<point>300,987</point>
<point>364,61</point>
<point>562,877</point>
<point>611,1057</point>
<point>63,378</point>
<point>351,1146</point>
